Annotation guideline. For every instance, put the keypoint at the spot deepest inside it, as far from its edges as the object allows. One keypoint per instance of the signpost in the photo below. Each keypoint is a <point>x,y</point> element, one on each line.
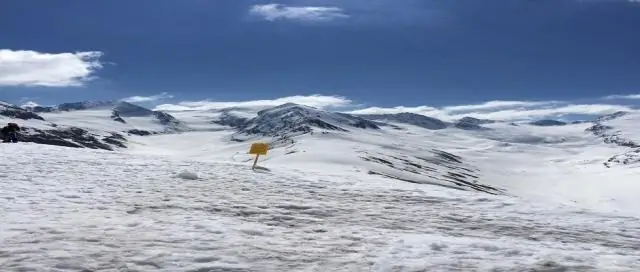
<point>258,149</point>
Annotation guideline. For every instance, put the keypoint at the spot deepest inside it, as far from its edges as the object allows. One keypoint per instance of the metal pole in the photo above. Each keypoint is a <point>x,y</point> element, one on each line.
<point>255,161</point>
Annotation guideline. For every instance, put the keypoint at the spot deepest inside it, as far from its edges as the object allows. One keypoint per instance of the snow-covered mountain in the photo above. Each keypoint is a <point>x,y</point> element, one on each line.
<point>11,111</point>
<point>291,119</point>
<point>72,106</point>
<point>409,118</point>
<point>113,116</point>
<point>36,129</point>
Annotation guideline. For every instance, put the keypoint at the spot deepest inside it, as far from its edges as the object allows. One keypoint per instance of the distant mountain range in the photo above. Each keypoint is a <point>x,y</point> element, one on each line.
<point>108,124</point>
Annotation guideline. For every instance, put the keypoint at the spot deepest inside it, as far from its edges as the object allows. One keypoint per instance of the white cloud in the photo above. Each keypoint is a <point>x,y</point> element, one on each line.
<point>29,104</point>
<point>318,101</point>
<point>272,12</point>
<point>31,68</point>
<point>134,99</point>
<point>528,114</point>
<point>503,110</point>
<point>497,104</point>
<point>425,110</point>
<point>628,96</point>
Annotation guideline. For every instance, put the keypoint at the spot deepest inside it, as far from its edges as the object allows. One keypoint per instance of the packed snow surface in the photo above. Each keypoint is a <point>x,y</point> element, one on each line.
<point>66,209</point>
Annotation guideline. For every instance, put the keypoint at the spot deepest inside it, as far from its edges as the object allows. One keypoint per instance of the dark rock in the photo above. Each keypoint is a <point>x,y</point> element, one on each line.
<point>547,123</point>
<point>115,116</point>
<point>227,119</point>
<point>139,132</point>
<point>70,137</point>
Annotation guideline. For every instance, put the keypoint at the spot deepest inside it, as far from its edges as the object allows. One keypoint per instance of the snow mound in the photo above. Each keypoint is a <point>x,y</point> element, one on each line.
<point>187,174</point>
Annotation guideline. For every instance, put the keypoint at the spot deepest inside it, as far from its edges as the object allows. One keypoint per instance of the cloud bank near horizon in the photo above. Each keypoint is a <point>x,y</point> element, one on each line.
<point>28,68</point>
<point>494,110</point>
<point>317,101</point>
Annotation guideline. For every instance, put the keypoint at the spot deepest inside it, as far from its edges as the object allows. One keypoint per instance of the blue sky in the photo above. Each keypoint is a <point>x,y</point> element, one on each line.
<point>377,55</point>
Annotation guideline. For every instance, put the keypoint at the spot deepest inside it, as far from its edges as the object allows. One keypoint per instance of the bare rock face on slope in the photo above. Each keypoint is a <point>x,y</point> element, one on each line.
<point>73,137</point>
<point>293,119</point>
<point>52,134</point>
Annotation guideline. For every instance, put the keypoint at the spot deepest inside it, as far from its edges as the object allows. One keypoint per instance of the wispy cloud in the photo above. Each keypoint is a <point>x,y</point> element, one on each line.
<point>272,12</point>
<point>150,98</point>
<point>318,101</point>
<point>505,110</point>
<point>627,96</point>
<point>31,68</point>
<point>496,104</point>
<point>551,112</point>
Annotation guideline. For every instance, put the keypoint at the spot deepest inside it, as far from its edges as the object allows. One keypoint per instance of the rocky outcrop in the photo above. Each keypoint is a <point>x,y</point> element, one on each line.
<point>72,137</point>
<point>611,136</point>
<point>627,158</point>
<point>547,123</point>
<point>470,123</point>
<point>139,132</point>
<point>115,116</point>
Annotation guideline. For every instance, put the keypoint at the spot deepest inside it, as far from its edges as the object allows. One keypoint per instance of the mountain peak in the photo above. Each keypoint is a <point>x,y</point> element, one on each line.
<point>13,111</point>
<point>73,106</point>
<point>126,109</point>
<point>292,119</point>
<point>471,123</point>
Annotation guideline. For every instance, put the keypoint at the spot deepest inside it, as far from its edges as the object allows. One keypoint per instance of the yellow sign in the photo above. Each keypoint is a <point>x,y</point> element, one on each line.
<point>259,149</point>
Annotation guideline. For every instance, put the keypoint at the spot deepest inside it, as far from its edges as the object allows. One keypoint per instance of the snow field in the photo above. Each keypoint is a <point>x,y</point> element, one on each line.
<point>66,209</point>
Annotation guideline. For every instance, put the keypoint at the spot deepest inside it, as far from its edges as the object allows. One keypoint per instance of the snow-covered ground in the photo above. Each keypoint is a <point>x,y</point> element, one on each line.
<point>402,198</point>
<point>67,209</point>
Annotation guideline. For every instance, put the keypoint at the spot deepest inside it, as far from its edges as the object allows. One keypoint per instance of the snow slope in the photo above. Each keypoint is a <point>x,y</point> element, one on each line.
<point>116,211</point>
